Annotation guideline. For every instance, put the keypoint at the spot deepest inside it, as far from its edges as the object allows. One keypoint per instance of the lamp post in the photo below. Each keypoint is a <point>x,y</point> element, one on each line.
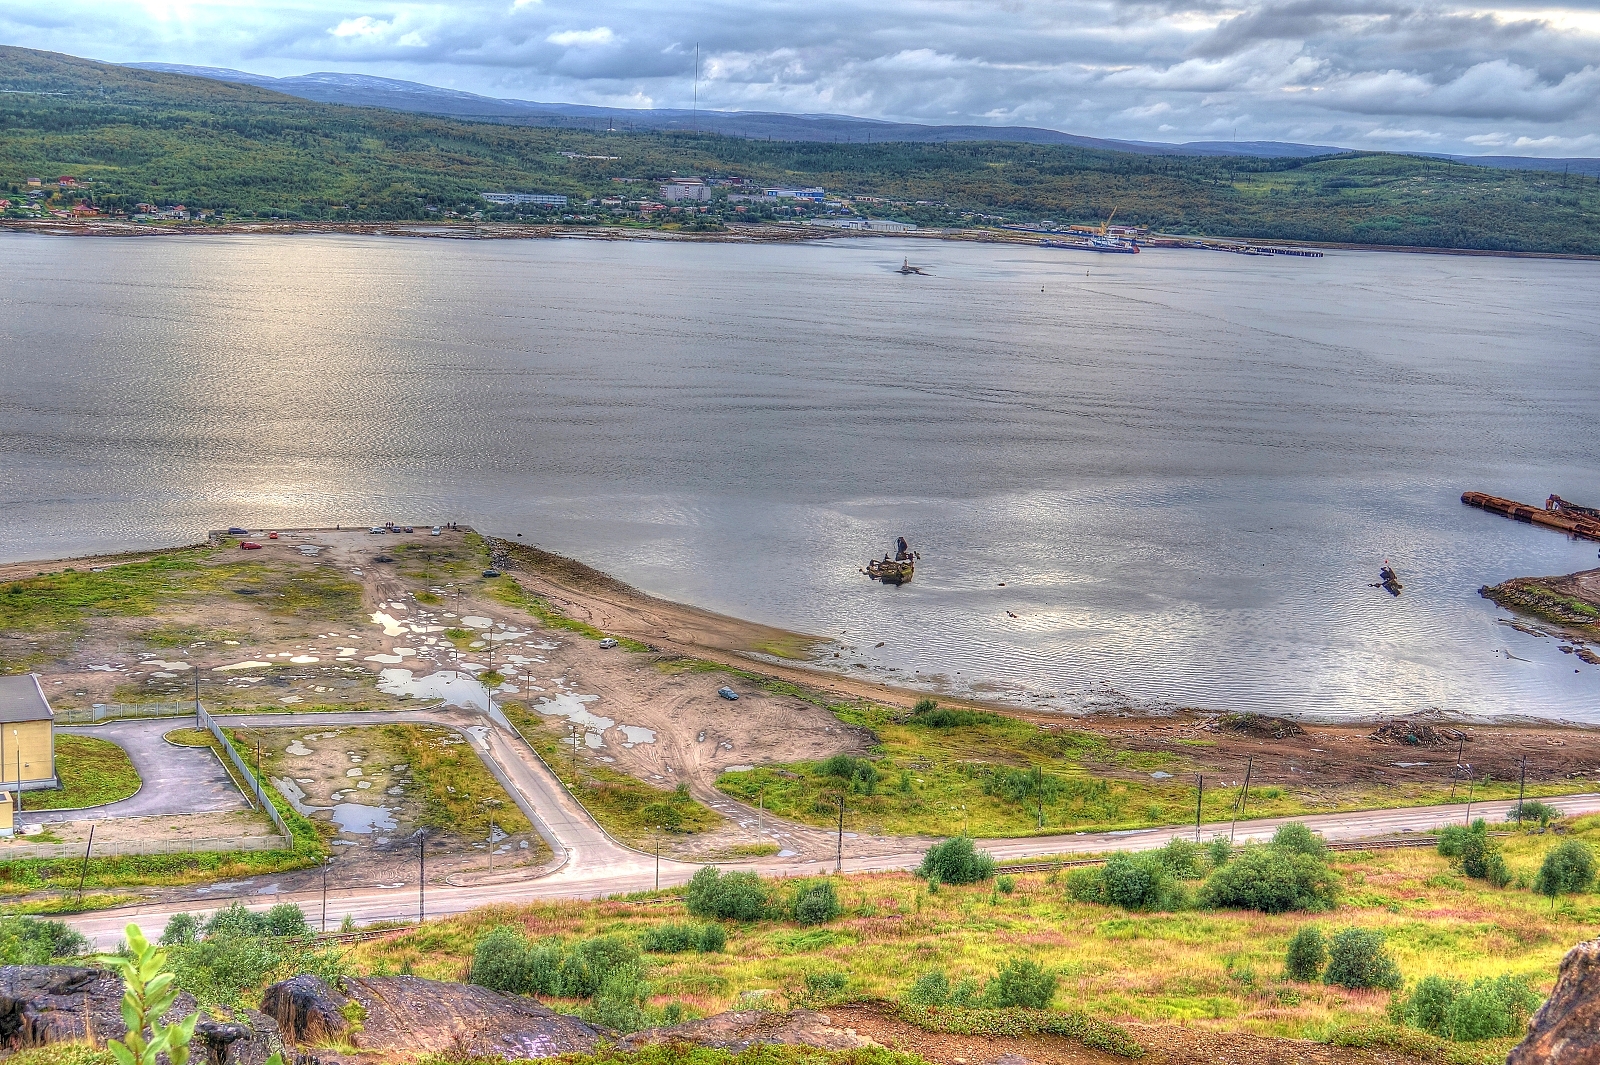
<point>838,860</point>
<point>422,878</point>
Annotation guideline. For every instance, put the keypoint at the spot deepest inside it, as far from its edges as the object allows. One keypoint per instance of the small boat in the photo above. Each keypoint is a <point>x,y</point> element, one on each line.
<point>907,268</point>
<point>891,572</point>
<point>1389,579</point>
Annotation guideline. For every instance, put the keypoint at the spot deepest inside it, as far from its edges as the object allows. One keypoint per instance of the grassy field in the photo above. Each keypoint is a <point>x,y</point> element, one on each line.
<point>1219,969</point>
<point>457,792</point>
<point>92,772</point>
<point>987,776</point>
<point>625,806</point>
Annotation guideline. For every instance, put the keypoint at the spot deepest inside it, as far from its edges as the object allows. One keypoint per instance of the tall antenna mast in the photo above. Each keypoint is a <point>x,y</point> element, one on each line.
<point>696,122</point>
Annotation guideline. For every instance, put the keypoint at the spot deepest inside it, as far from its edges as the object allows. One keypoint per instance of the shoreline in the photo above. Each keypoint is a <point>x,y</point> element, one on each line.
<point>735,234</point>
<point>594,597</point>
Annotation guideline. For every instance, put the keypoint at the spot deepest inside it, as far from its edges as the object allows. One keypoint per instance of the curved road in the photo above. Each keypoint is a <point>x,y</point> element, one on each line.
<point>594,865</point>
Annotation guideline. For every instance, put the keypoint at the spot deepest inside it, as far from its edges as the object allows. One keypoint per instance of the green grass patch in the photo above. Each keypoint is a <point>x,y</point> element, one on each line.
<point>92,772</point>
<point>67,903</point>
<point>625,806</point>
<point>952,771</point>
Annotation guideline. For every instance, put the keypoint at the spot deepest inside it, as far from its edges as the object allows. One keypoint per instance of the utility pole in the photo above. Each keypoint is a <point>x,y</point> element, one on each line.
<point>422,880</point>
<point>259,799</point>
<point>1472,782</point>
<point>196,695</point>
<point>761,804</point>
<point>1199,793</point>
<point>84,871</point>
<point>1522,784</point>
<point>838,861</point>
<point>658,857</point>
<point>325,896</point>
<point>1244,793</point>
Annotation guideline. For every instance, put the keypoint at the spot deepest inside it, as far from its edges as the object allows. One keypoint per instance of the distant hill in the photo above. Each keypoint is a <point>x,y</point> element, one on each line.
<point>360,90</point>
<point>135,136</point>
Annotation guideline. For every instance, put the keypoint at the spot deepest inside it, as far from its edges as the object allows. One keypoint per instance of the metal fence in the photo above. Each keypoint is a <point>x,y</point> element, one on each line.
<point>206,721</point>
<point>99,712</point>
<point>105,848</point>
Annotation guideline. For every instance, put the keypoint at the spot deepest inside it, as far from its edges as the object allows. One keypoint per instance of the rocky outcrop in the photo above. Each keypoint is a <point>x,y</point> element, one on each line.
<point>43,1004</point>
<point>307,1010</point>
<point>1566,1030</point>
<point>415,1016</point>
<point>743,1029</point>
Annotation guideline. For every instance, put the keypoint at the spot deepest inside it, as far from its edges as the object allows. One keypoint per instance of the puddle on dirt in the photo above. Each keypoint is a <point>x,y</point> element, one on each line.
<point>454,688</point>
<point>636,734</point>
<point>400,655</point>
<point>242,665</point>
<point>472,621</point>
<point>391,627</point>
<point>176,667</point>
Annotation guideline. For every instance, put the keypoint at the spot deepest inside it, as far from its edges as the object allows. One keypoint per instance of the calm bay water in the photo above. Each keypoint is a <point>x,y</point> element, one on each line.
<point>1185,467</point>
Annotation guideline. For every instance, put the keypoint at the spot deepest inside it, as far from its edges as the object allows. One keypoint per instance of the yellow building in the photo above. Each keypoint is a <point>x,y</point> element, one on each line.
<point>27,744</point>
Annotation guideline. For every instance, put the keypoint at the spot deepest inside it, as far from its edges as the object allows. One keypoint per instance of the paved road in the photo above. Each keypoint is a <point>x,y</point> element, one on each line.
<point>177,780</point>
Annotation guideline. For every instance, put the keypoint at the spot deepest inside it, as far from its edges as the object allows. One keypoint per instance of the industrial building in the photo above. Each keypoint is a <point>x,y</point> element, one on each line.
<point>686,189</point>
<point>27,744</point>
<point>517,199</point>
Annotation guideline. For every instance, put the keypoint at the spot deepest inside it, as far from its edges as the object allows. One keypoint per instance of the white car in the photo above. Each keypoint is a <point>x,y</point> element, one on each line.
<point>378,530</point>
<point>434,531</point>
<point>608,643</point>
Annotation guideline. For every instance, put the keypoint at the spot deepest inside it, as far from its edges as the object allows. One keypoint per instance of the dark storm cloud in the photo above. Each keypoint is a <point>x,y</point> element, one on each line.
<point>1365,73</point>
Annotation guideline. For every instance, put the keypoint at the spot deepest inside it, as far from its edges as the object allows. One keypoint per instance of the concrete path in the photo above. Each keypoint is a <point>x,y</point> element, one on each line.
<point>177,780</point>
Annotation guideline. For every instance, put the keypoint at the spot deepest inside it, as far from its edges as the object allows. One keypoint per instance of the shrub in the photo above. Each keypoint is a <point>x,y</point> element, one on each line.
<point>1357,958</point>
<point>1533,810</point>
<point>1181,858</point>
<point>713,937</point>
<point>1480,857</point>
<point>929,989</point>
<point>1219,851</point>
<point>182,929</point>
<point>1454,837</point>
<point>1006,884</point>
<point>285,919</point>
<point>29,941</point>
<point>956,861</point>
<point>1272,881</point>
<point>1298,839</point>
<point>500,961</point>
<point>861,775</point>
<point>235,920</point>
<point>587,966</point>
<point>733,896</point>
<point>930,715</point>
<point>924,705</point>
<point>824,985</point>
<point>815,903</point>
<point>1488,1009</point>
<point>678,938</point>
<point>1021,983</point>
<point>1568,867</point>
<point>1306,956</point>
<point>619,1000</point>
<point>1139,882</point>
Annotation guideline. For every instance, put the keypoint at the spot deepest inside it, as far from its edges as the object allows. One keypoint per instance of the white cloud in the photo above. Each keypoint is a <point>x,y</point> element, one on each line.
<point>1413,135</point>
<point>365,26</point>
<point>582,38</point>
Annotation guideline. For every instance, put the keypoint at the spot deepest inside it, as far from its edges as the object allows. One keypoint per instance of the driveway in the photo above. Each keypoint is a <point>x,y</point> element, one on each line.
<point>177,780</point>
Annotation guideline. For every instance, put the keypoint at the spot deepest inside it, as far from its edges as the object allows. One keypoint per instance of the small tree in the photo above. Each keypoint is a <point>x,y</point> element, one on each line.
<point>149,991</point>
<point>1533,810</point>
<point>1021,983</point>
<point>1298,839</point>
<point>735,896</point>
<point>1480,858</point>
<point>1220,851</point>
<point>956,861</point>
<point>1567,868</point>
<point>1307,954</point>
<point>1357,958</point>
<point>815,903</point>
<point>182,929</point>
<point>500,961</point>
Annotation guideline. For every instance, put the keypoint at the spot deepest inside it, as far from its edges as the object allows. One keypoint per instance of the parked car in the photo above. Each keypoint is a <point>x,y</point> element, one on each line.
<point>491,573</point>
<point>608,643</point>
<point>249,545</point>
<point>272,536</point>
<point>408,528</point>
<point>728,693</point>
<point>435,531</point>
<point>234,530</point>
<point>378,530</point>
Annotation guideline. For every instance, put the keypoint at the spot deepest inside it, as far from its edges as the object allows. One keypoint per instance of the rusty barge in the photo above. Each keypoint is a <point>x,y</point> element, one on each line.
<point>1557,513</point>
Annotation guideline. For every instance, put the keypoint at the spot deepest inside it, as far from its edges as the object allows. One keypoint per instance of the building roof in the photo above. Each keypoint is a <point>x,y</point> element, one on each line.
<point>22,699</point>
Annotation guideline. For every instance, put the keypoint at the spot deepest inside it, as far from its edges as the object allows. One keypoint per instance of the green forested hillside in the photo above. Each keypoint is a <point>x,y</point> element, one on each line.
<point>141,136</point>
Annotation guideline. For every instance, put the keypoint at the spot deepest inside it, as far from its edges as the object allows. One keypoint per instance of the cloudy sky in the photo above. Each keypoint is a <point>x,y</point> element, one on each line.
<point>1394,74</point>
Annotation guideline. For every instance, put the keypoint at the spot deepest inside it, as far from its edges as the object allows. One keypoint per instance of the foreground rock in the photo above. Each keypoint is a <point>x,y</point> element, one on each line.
<point>1566,1030</point>
<point>406,1014</point>
<point>45,1004</point>
<point>746,1028</point>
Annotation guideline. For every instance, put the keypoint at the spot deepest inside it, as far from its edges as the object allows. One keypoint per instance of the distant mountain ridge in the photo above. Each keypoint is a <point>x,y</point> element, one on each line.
<point>362,90</point>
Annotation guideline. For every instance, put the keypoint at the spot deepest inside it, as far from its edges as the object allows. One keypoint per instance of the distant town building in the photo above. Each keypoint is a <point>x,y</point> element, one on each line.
<point>517,199</point>
<point>870,225</point>
<point>686,189</point>
<point>816,194</point>
<point>34,182</point>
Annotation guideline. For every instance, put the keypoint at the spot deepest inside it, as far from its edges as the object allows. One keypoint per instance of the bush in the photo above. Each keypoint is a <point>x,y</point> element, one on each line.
<point>1533,810</point>
<point>1021,983</point>
<point>28,941</point>
<point>586,966</point>
<point>1454,837</point>
<point>815,903</point>
<point>1488,1009</point>
<point>1298,839</point>
<point>861,774</point>
<point>930,715</point>
<point>1139,882</point>
<point>182,929</point>
<point>824,985</point>
<point>679,938</point>
<point>1006,884</point>
<point>1306,956</point>
<point>500,961</point>
<point>1480,857</point>
<point>286,919</point>
<point>712,939</point>
<point>1358,959</point>
<point>619,1000</point>
<point>956,861</point>
<point>1273,881</point>
<point>1219,851</point>
<point>1568,867</point>
<point>1086,885</point>
<point>731,896</point>
<point>1181,858</point>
